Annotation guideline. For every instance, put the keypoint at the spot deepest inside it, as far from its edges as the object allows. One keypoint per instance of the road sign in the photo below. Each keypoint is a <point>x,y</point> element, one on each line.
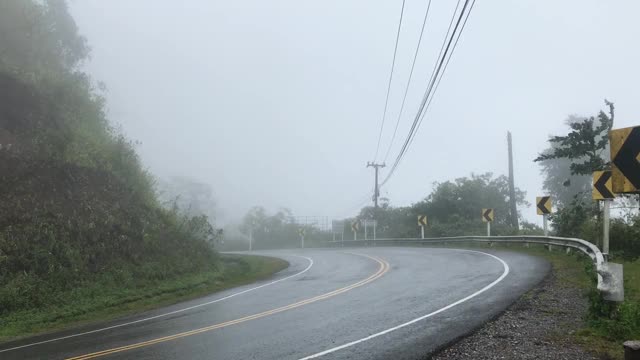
<point>301,232</point>
<point>355,226</point>
<point>602,185</point>
<point>422,220</point>
<point>543,205</point>
<point>625,159</point>
<point>370,223</point>
<point>487,215</point>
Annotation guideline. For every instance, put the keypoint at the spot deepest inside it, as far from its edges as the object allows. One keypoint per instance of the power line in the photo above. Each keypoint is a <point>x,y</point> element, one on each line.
<point>406,90</point>
<point>444,70</point>
<point>436,75</point>
<point>393,64</point>
<point>426,94</point>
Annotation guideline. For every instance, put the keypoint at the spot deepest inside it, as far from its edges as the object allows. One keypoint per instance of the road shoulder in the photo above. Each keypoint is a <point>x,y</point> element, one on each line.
<point>542,324</point>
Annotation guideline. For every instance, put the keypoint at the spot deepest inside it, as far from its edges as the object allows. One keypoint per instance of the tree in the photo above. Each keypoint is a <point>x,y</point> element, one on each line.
<point>559,181</point>
<point>581,152</point>
<point>584,145</point>
<point>189,196</point>
<point>453,208</point>
<point>271,230</point>
<point>39,36</point>
<point>464,198</point>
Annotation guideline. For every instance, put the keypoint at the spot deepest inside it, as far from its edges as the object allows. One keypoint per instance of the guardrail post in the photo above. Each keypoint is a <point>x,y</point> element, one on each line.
<point>632,350</point>
<point>568,250</point>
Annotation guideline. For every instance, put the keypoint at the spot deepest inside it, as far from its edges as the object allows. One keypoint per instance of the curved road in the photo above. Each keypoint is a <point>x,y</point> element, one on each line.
<point>360,303</point>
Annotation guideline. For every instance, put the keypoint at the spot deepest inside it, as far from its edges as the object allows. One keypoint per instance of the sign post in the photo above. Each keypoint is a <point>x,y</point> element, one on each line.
<point>488,216</point>
<point>369,223</point>
<point>543,207</point>
<point>422,222</point>
<point>605,228</point>
<point>301,232</point>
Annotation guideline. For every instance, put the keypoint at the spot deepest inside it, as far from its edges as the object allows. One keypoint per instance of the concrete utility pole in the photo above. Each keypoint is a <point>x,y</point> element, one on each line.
<point>512,187</point>
<point>376,192</point>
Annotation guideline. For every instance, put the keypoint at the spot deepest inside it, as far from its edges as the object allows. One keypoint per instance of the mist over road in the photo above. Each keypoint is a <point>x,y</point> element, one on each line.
<point>361,303</point>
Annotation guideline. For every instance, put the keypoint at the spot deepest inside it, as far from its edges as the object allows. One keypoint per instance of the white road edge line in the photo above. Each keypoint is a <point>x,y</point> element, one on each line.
<point>384,332</point>
<point>169,313</point>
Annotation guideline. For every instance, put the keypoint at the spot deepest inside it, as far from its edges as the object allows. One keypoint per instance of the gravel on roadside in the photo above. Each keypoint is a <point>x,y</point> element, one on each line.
<point>536,326</point>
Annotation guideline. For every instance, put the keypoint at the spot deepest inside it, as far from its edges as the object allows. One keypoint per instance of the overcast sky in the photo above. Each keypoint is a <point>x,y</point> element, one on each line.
<point>279,103</point>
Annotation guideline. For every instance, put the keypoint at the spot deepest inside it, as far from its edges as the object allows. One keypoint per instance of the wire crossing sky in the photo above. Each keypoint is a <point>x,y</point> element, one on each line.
<point>274,103</point>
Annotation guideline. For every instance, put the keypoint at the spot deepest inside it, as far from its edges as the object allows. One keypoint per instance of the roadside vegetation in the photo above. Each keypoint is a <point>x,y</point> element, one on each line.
<point>108,297</point>
<point>83,232</point>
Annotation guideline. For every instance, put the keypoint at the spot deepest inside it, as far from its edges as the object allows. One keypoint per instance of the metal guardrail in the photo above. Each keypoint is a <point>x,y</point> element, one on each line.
<point>610,282</point>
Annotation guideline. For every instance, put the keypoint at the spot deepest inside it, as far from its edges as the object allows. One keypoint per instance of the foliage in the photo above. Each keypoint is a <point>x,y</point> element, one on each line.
<point>584,145</point>
<point>189,196</point>
<point>76,204</point>
<point>559,181</point>
<point>276,230</point>
<point>110,295</point>
<point>570,220</point>
<point>39,37</point>
<point>453,208</point>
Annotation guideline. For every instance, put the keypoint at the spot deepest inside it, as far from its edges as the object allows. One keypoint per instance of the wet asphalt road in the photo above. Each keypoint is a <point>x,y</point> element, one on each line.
<point>324,300</point>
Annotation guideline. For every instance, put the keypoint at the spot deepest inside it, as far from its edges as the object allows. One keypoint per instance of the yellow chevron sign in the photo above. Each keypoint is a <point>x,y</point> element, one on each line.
<point>625,159</point>
<point>355,226</point>
<point>543,205</point>
<point>422,220</point>
<point>487,215</point>
<point>602,185</point>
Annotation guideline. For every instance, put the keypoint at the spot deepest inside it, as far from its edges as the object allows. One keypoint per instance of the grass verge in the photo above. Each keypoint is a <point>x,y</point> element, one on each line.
<point>105,300</point>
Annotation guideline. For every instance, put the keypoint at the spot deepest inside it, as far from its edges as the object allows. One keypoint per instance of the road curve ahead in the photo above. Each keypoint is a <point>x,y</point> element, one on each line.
<point>359,303</point>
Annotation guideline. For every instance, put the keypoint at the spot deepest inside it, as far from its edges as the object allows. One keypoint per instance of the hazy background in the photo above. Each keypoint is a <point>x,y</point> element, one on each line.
<point>279,103</point>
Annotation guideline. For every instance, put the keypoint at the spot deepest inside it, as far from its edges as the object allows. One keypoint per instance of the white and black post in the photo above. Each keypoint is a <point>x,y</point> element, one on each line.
<point>605,228</point>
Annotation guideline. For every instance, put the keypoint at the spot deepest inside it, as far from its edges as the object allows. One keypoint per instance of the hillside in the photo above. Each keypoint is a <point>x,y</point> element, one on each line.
<point>77,208</point>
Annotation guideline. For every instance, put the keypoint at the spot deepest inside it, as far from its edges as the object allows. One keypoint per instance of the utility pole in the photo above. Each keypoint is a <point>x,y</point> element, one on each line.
<point>376,192</point>
<point>512,187</point>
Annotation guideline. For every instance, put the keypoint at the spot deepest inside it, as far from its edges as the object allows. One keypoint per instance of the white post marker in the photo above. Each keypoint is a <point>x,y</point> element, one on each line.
<point>250,239</point>
<point>605,228</point>
<point>488,228</point>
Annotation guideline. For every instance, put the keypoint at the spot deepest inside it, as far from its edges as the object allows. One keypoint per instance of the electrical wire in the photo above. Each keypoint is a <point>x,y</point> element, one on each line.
<point>436,75</point>
<point>393,64</point>
<point>406,90</point>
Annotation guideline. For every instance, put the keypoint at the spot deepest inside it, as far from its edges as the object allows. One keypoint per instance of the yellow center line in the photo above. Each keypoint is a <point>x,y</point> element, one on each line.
<point>384,267</point>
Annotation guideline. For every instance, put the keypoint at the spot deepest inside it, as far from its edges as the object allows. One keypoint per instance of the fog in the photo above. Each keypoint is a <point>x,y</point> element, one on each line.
<point>279,103</point>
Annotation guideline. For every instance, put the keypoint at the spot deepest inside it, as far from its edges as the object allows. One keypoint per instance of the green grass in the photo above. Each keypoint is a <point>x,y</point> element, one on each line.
<point>103,300</point>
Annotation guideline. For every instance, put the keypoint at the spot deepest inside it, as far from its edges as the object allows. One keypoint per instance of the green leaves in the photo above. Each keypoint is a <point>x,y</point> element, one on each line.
<point>584,144</point>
